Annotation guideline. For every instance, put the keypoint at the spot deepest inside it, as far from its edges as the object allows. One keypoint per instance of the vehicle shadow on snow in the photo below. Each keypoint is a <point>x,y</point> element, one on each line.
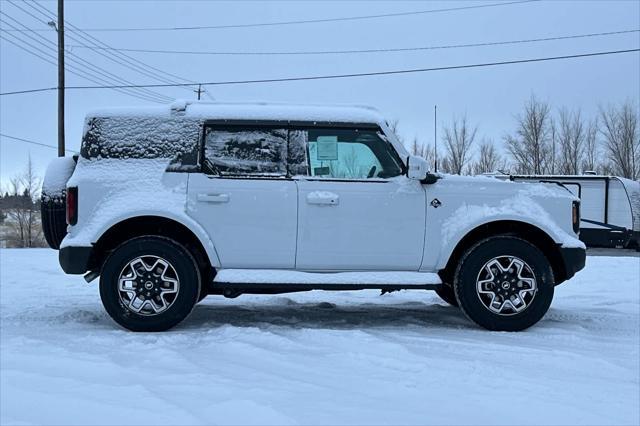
<point>316,315</point>
<point>287,313</point>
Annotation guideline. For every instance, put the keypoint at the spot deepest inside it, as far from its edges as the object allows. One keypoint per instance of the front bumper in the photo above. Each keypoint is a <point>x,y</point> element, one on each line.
<point>635,240</point>
<point>75,260</point>
<point>573,260</point>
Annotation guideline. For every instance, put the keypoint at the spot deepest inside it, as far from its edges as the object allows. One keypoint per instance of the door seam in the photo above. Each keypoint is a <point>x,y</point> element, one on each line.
<point>295,254</point>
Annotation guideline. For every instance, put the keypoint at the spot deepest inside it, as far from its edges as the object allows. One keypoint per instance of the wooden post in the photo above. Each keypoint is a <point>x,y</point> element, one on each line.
<point>61,147</point>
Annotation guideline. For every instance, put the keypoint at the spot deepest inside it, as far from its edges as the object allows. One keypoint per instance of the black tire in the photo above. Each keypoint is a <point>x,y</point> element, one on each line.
<point>446,293</point>
<point>186,271</point>
<point>203,294</point>
<point>53,217</point>
<point>468,273</point>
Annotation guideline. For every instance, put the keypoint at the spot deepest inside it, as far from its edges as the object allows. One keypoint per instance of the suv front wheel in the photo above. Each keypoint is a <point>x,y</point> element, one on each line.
<point>504,283</point>
<point>446,293</point>
<point>149,284</point>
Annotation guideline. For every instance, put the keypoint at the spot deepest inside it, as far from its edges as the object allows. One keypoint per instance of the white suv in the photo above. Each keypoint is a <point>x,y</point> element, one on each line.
<point>170,204</point>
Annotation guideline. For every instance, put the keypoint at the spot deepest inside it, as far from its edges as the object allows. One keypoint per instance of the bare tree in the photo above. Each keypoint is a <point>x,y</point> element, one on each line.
<point>417,148</point>
<point>421,150</point>
<point>458,140</point>
<point>531,146</point>
<point>350,166</point>
<point>591,158</point>
<point>395,128</point>
<point>572,139</point>
<point>553,156</point>
<point>21,208</point>
<point>430,156</point>
<point>489,160</point>
<point>621,139</point>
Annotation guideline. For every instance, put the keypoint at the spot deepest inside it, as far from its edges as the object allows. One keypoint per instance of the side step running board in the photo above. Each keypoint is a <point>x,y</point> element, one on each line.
<point>299,281</point>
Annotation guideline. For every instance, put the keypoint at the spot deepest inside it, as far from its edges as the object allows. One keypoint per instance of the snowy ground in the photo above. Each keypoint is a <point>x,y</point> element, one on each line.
<point>317,358</point>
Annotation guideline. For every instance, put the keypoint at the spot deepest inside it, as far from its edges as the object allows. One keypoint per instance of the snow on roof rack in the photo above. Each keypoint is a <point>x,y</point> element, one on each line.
<point>255,110</point>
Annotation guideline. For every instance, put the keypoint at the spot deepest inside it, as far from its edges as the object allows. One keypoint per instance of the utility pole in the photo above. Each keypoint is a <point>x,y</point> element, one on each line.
<point>435,138</point>
<point>60,30</point>
<point>199,91</point>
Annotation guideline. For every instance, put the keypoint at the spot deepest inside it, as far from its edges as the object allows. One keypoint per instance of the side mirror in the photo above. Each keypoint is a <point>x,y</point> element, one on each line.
<point>417,167</point>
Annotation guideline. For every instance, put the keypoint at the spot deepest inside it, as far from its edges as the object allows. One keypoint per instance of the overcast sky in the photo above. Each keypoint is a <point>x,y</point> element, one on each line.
<point>489,96</point>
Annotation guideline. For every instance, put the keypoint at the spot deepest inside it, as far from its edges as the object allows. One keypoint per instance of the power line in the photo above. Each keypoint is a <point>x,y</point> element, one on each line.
<point>123,59</point>
<point>32,142</point>
<point>2,37</point>
<point>352,75</point>
<point>400,49</point>
<point>81,67</point>
<point>52,62</point>
<point>314,21</point>
<point>75,58</point>
<point>32,49</point>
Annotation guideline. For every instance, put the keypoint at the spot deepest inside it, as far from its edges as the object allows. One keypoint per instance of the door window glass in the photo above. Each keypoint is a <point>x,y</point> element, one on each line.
<point>297,153</point>
<point>248,152</point>
<point>351,154</point>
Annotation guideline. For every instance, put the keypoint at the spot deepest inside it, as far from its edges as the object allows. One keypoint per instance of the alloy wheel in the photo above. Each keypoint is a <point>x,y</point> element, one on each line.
<point>506,285</point>
<point>148,285</point>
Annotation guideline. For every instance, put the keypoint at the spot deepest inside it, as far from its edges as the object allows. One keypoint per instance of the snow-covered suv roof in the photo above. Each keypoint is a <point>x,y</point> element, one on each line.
<point>252,111</point>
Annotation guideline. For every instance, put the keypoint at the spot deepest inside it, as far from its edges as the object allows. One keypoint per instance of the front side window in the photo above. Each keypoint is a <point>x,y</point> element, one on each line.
<point>245,151</point>
<point>351,154</point>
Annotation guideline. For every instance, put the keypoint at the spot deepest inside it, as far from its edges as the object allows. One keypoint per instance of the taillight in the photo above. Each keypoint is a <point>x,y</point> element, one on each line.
<point>72,205</point>
<point>575,216</point>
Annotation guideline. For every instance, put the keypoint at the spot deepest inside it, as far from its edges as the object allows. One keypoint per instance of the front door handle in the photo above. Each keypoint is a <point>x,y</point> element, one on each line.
<point>213,198</point>
<point>323,198</point>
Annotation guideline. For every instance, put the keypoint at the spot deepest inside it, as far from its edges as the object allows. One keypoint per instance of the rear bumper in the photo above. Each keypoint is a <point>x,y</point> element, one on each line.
<point>573,260</point>
<point>75,260</point>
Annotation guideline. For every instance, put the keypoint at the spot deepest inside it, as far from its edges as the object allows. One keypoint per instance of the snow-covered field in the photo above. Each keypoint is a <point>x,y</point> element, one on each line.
<point>317,358</point>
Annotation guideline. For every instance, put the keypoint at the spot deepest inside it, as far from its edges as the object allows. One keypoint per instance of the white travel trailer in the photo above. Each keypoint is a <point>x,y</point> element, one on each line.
<point>610,207</point>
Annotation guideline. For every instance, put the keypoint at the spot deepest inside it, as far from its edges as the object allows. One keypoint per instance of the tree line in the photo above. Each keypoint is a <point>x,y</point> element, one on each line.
<point>20,224</point>
<point>544,141</point>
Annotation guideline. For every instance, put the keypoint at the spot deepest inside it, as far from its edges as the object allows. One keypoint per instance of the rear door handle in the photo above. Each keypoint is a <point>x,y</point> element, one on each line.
<point>323,198</point>
<point>213,198</point>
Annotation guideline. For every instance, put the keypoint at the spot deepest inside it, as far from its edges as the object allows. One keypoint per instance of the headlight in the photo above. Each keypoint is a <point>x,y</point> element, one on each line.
<point>575,216</point>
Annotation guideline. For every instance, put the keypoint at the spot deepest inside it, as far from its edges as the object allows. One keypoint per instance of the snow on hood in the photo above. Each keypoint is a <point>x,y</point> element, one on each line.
<point>524,201</point>
<point>537,189</point>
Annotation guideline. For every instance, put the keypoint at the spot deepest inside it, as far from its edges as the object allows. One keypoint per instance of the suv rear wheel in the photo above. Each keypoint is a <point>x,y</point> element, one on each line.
<point>504,283</point>
<point>149,284</point>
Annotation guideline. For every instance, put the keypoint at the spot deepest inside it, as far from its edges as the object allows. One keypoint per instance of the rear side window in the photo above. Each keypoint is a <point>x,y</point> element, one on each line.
<point>142,137</point>
<point>242,151</point>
